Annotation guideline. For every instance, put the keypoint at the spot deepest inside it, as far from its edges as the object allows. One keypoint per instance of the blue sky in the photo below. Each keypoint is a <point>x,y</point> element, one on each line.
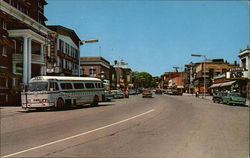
<point>154,36</point>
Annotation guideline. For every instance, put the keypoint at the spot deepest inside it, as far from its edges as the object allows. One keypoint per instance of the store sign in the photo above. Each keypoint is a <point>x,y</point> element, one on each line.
<point>234,74</point>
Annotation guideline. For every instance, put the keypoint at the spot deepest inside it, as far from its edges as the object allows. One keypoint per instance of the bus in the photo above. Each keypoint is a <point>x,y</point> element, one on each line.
<point>61,92</point>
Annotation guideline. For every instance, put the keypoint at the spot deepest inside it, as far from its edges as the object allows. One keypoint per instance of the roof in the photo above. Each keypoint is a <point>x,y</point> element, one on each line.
<point>94,58</point>
<point>65,31</point>
<point>63,78</point>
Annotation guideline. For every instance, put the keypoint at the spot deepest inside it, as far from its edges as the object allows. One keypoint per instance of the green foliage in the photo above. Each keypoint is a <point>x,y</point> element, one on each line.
<point>145,79</point>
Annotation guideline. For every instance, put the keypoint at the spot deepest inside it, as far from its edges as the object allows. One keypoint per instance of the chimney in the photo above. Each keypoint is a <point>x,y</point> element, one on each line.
<point>235,62</point>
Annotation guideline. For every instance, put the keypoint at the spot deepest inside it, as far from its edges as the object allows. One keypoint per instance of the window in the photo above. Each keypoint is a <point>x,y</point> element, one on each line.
<point>19,68</point>
<point>4,51</point>
<point>66,85</point>
<point>78,85</point>
<point>4,25</point>
<point>92,72</point>
<point>53,85</point>
<point>61,45</point>
<point>244,64</point>
<point>4,82</point>
<point>89,85</point>
<point>66,48</point>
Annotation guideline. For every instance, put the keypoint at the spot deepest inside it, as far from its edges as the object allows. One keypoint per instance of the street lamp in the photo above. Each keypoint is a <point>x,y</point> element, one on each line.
<point>102,75</point>
<point>82,42</point>
<point>204,71</point>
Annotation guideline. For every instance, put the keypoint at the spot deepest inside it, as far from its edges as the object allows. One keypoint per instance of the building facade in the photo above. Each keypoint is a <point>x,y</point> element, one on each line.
<point>123,75</point>
<point>63,55</point>
<point>202,80</point>
<point>23,45</point>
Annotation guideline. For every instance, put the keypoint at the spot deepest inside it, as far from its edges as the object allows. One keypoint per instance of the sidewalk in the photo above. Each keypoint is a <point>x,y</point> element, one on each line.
<point>209,97</point>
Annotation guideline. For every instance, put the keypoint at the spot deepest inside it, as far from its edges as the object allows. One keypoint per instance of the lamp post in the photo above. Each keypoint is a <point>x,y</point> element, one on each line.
<point>82,42</point>
<point>204,71</point>
<point>102,75</point>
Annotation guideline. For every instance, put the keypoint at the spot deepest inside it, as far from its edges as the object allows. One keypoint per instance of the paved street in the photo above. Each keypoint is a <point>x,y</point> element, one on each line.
<point>163,126</point>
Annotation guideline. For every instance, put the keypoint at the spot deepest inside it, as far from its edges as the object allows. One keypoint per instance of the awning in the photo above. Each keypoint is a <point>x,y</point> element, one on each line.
<point>215,85</point>
<point>225,84</point>
<point>180,86</point>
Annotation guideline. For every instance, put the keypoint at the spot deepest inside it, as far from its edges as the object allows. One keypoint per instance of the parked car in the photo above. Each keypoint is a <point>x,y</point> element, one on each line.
<point>147,93</point>
<point>132,92</point>
<point>217,98</point>
<point>174,91</point>
<point>158,91</point>
<point>233,98</point>
<point>108,96</point>
<point>118,94</point>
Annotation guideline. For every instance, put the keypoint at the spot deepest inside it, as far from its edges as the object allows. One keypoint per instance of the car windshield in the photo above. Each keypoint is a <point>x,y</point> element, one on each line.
<point>38,86</point>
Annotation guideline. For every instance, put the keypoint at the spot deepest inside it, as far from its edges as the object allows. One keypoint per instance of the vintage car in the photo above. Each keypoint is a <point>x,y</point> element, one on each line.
<point>217,98</point>
<point>158,91</point>
<point>118,94</point>
<point>147,94</point>
<point>108,96</point>
<point>233,98</point>
<point>132,92</point>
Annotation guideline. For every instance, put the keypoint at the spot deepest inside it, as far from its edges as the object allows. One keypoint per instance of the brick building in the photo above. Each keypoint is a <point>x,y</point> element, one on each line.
<point>213,68</point>
<point>123,75</point>
<point>173,80</point>
<point>23,45</point>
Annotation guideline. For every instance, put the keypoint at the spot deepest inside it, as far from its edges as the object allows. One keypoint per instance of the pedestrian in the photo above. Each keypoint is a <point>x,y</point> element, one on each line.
<point>197,94</point>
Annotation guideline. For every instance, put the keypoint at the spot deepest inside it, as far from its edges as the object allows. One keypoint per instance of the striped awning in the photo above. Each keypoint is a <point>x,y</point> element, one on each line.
<point>215,85</point>
<point>224,84</point>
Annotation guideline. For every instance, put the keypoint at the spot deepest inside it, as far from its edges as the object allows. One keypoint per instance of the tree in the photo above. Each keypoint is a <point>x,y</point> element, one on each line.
<point>142,79</point>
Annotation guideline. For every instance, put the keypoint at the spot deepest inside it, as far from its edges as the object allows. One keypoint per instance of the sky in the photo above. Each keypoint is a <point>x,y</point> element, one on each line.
<point>155,35</point>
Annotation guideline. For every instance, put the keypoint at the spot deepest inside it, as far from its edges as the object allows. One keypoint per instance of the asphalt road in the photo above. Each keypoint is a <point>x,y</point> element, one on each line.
<point>163,126</point>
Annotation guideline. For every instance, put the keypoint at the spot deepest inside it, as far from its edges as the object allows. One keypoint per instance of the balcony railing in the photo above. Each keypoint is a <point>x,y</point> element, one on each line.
<point>36,59</point>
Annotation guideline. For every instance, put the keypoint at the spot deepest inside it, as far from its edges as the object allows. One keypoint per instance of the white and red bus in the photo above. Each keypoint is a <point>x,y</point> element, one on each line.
<point>61,92</point>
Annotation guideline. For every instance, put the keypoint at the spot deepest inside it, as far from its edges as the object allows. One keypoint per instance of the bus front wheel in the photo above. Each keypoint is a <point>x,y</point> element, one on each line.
<point>59,104</point>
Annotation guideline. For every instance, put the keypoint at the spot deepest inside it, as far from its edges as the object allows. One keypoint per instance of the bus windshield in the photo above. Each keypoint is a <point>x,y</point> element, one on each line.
<point>38,86</point>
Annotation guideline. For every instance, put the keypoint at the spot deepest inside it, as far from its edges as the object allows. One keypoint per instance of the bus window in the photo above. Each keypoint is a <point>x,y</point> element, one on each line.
<point>78,85</point>
<point>38,86</point>
<point>89,85</point>
<point>96,85</point>
<point>53,86</point>
<point>66,85</point>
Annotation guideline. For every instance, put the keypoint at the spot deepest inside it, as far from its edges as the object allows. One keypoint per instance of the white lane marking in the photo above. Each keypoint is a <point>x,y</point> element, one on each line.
<point>81,134</point>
